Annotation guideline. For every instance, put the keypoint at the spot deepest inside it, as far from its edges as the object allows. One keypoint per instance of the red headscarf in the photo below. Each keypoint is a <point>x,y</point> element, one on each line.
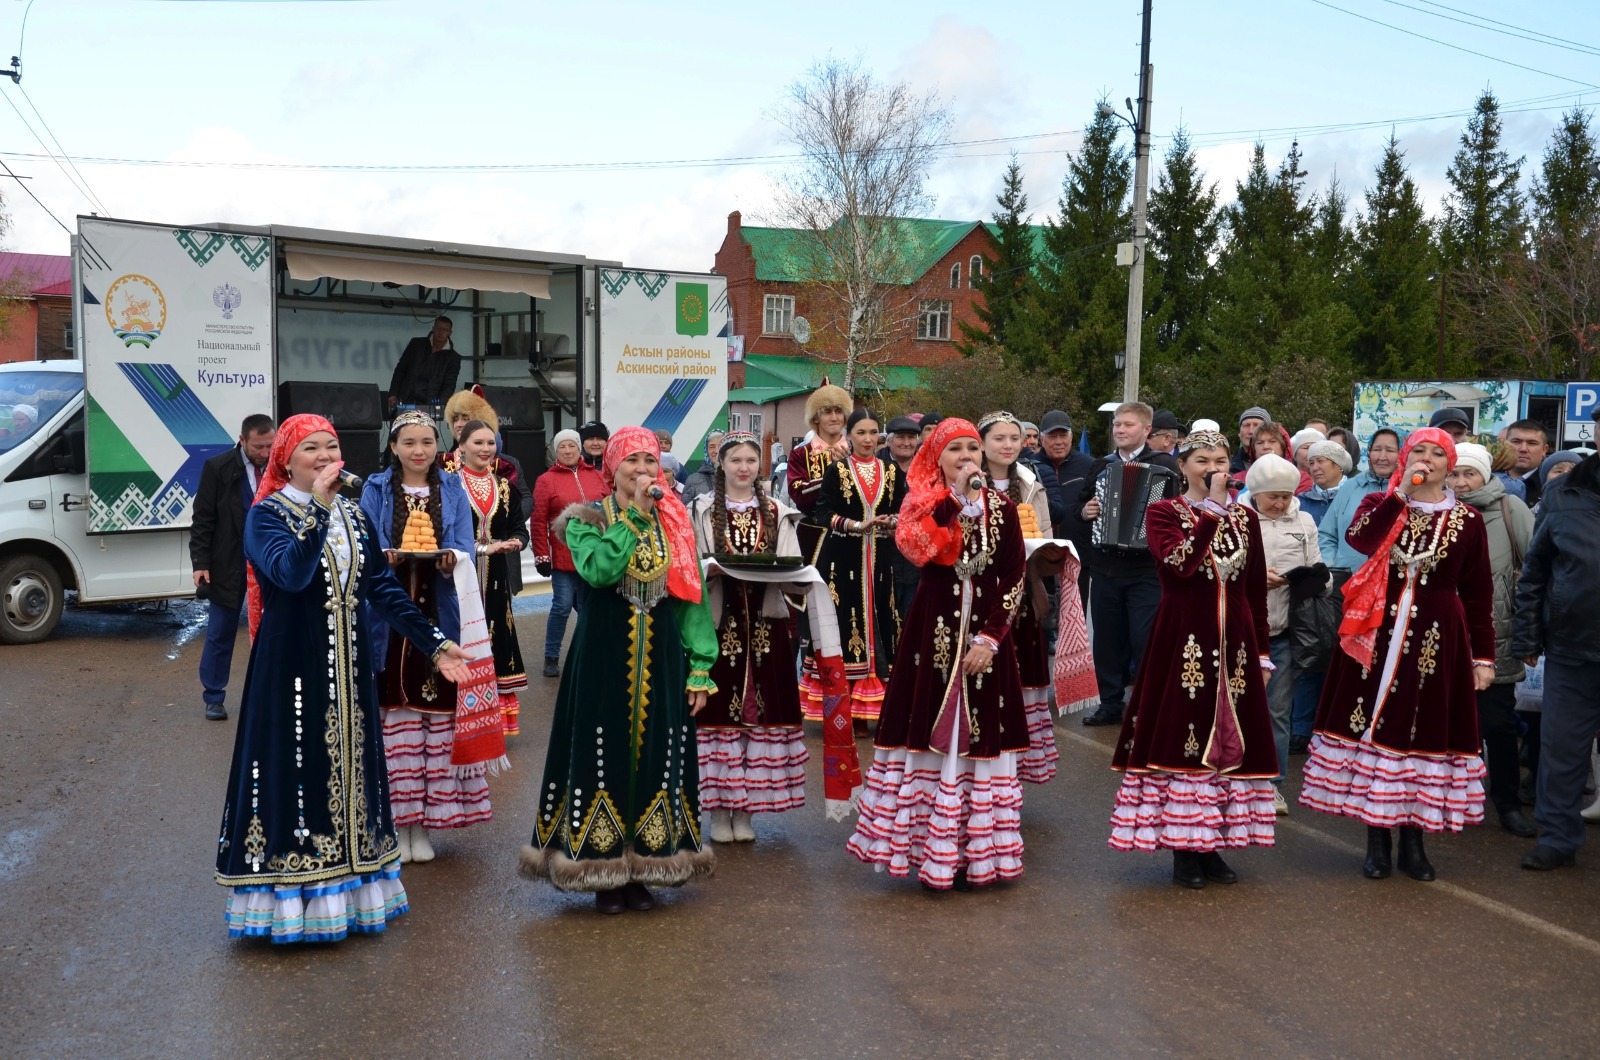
<point>921,540</point>
<point>683,572</point>
<point>1367,590</point>
<point>291,433</point>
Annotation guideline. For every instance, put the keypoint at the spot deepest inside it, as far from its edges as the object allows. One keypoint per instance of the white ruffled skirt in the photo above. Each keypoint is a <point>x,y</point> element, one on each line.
<point>1037,765</point>
<point>1197,812</point>
<point>322,912</point>
<point>1387,789</point>
<point>756,770</point>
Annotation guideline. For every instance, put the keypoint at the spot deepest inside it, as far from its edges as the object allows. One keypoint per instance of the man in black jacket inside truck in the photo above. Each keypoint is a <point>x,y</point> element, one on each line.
<point>1125,591</point>
<point>216,550</point>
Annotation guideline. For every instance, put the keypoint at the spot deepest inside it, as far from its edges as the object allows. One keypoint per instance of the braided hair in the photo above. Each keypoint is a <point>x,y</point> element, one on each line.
<point>1014,481</point>
<point>398,494</point>
<point>719,501</point>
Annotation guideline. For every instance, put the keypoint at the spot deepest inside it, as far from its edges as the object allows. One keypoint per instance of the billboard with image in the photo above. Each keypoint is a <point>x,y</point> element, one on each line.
<point>178,350</point>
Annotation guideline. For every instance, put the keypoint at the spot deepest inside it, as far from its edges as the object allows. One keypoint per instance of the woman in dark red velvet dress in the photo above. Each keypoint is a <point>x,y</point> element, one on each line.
<point>1396,740</point>
<point>942,797</point>
<point>1196,750</point>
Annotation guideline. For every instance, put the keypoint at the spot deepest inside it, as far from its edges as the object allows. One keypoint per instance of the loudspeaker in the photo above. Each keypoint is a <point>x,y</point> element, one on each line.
<point>363,453</point>
<point>527,447</point>
<point>518,407</point>
<point>348,406</point>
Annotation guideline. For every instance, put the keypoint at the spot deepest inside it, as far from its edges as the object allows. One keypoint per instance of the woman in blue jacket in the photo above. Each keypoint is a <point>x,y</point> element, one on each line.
<point>425,790</point>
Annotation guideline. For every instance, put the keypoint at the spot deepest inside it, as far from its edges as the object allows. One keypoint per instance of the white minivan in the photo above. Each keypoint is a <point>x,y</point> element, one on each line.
<point>45,546</point>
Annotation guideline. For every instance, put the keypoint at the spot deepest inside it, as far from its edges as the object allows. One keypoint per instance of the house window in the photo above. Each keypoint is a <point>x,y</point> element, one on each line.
<point>933,319</point>
<point>777,314</point>
<point>734,421</point>
<point>974,271</point>
<point>955,275</point>
<point>755,424</point>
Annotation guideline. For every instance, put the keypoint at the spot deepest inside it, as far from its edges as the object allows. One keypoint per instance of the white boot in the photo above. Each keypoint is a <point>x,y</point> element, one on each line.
<point>403,835</point>
<point>1591,812</point>
<point>721,826</point>
<point>421,849</point>
<point>742,830</point>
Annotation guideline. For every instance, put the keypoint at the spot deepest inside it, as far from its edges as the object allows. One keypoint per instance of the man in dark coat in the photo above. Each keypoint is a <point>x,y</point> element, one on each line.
<point>216,550</point>
<point>1070,469</point>
<point>1126,589</point>
<point>426,374</point>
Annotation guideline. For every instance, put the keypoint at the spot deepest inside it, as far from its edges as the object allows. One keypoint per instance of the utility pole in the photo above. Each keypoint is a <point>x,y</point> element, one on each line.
<point>1141,187</point>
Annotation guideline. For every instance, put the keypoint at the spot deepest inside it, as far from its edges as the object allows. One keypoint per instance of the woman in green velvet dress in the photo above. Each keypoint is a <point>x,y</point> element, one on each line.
<point>619,804</point>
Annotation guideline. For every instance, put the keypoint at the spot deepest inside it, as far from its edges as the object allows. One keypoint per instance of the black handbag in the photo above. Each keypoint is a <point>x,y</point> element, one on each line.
<point>1314,615</point>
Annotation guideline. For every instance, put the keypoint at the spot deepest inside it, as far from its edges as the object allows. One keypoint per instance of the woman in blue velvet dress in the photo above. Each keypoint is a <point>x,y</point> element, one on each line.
<point>307,845</point>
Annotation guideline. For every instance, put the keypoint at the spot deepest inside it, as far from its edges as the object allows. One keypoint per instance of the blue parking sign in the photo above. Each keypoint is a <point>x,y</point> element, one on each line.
<point>1583,400</point>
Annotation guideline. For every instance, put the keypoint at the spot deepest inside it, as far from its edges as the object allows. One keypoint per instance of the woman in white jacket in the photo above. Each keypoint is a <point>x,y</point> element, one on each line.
<point>1288,540</point>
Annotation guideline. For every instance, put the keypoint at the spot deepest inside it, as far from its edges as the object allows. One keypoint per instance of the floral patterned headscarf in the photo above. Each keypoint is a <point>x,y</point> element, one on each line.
<point>920,539</point>
<point>683,573</point>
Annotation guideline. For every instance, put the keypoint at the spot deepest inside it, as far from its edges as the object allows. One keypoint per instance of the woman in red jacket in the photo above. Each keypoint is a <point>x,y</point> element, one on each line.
<point>570,480</point>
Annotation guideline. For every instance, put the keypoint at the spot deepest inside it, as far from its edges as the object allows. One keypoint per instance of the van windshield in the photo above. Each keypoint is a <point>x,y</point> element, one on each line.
<point>28,400</point>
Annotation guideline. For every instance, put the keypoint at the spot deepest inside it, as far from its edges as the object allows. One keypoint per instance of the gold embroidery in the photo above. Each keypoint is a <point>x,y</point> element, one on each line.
<point>601,833</point>
<point>639,630</point>
<point>653,829</point>
<point>941,646</point>
<point>1191,746</point>
<point>1428,658</point>
<point>1192,677</point>
<point>255,843</point>
<point>1236,683</point>
<point>1358,717</point>
<point>760,637</point>
<point>858,644</point>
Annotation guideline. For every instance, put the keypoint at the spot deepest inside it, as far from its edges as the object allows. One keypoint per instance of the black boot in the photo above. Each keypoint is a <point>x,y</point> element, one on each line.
<point>1186,870</point>
<point>552,668</point>
<point>1380,843</point>
<point>1215,869</point>
<point>1413,859</point>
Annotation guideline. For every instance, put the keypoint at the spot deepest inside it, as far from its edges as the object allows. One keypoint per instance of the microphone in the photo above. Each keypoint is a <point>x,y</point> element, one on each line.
<point>976,482</point>
<point>656,493</point>
<point>351,479</point>
<point>1417,478</point>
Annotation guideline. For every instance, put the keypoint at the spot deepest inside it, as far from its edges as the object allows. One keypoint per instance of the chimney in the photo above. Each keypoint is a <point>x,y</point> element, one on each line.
<point>734,220</point>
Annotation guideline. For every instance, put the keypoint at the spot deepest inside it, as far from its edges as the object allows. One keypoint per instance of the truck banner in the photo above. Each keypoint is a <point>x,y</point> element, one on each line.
<point>177,351</point>
<point>664,352</point>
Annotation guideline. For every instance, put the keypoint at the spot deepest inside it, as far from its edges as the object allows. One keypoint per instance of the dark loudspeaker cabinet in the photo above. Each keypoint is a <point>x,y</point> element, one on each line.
<point>348,406</point>
<point>518,407</point>
<point>363,454</point>
<point>527,447</point>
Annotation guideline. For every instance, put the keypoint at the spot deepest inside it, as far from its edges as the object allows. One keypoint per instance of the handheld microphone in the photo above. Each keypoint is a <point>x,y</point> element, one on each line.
<point>351,479</point>
<point>1209,476</point>
<point>656,493</point>
<point>1417,478</point>
<point>976,482</point>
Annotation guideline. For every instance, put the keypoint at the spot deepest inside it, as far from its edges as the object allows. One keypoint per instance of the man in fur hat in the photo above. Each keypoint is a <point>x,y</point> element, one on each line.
<point>826,410</point>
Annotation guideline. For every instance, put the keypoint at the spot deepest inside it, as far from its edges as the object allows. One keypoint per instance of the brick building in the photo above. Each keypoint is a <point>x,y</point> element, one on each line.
<point>35,307</point>
<point>766,292</point>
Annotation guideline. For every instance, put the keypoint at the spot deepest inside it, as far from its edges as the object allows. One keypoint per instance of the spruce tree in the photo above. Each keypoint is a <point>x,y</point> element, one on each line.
<point>1184,226</point>
<point>1566,194</point>
<point>1077,312</point>
<point>1006,276</point>
<point>1483,212</point>
<point>1392,291</point>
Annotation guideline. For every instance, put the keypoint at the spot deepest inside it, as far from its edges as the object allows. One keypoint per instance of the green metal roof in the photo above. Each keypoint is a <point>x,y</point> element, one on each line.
<point>804,374</point>
<point>766,395</point>
<point>782,254</point>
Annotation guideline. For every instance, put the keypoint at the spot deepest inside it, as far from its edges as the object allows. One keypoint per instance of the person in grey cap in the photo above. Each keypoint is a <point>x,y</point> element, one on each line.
<point>1030,436</point>
<point>1249,420</point>
<point>1454,422</point>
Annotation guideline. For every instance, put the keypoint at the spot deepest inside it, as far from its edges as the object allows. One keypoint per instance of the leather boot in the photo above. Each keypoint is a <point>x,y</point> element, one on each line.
<point>1215,869</point>
<point>1380,844</point>
<point>1186,870</point>
<point>1413,859</point>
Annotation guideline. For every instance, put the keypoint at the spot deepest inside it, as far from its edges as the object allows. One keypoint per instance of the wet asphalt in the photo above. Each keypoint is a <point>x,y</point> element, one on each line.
<point>112,941</point>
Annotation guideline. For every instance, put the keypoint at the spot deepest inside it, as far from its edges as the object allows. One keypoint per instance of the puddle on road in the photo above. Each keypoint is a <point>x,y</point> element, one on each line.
<point>17,849</point>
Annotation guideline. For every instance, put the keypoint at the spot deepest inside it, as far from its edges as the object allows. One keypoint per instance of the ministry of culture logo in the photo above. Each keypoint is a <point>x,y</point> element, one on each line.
<point>226,297</point>
<point>136,310</point>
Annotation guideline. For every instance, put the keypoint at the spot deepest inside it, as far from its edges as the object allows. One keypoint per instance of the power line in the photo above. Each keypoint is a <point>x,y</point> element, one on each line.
<point>56,140</point>
<point>1447,44</point>
<point>48,153</point>
<point>1571,46</point>
<point>1508,25</point>
<point>34,197</point>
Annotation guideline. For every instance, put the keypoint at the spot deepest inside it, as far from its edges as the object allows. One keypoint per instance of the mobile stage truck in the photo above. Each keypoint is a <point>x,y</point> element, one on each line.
<point>181,333</point>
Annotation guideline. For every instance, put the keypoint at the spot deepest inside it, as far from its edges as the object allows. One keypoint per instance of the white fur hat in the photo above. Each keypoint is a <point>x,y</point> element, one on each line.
<point>1205,425</point>
<point>1333,451</point>
<point>1305,436</point>
<point>1271,473</point>
<point>1473,455</point>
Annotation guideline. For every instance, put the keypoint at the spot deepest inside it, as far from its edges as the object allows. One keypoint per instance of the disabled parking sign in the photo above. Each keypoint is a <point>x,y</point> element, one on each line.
<point>1583,401</point>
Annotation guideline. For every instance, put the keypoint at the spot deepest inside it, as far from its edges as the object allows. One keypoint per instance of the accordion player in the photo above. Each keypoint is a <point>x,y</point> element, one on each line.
<point>1125,490</point>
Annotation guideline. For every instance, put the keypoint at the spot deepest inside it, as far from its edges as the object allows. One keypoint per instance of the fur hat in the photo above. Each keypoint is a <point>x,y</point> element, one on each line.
<point>1334,451</point>
<point>1305,436</point>
<point>1475,456</point>
<point>1271,473</point>
<point>827,396</point>
<point>472,403</point>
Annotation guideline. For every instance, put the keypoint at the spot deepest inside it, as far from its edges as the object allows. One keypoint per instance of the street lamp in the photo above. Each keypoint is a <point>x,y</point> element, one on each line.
<point>1121,358</point>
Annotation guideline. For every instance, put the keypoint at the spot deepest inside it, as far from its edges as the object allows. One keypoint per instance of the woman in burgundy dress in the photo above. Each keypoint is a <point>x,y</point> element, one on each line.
<point>942,797</point>
<point>1002,444</point>
<point>1196,750</point>
<point>1396,740</point>
<point>752,755</point>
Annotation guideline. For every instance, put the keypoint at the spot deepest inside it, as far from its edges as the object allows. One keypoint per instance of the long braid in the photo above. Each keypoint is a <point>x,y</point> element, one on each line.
<point>769,520</point>
<point>397,525</point>
<point>435,508</point>
<point>1013,484</point>
<point>719,510</point>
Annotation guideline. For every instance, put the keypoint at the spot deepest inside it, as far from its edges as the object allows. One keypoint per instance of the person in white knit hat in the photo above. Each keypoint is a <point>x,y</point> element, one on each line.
<point>1288,542</point>
<point>1327,463</point>
<point>1300,446</point>
<point>1509,526</point>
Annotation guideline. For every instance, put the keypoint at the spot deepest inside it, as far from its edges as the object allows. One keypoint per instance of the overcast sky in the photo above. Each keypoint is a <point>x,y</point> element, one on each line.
<point>478,83</point>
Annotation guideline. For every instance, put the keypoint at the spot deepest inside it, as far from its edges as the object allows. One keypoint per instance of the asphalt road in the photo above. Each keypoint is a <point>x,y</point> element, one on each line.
<point>112,941</point>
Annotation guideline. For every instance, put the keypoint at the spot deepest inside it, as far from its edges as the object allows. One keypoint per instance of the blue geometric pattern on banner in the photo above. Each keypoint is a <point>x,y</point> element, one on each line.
<point>88,296</point>
<point>176,405</point>
<point>674,405</point>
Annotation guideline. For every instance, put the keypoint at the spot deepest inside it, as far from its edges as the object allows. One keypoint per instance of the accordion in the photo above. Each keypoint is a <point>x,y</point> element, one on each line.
<point>1125,490</point>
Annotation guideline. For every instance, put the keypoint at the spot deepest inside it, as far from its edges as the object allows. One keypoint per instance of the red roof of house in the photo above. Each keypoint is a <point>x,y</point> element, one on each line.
<point>44,270</point>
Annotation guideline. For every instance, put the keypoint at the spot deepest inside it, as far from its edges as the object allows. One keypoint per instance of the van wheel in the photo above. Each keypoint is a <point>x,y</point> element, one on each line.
<point>30,599</point>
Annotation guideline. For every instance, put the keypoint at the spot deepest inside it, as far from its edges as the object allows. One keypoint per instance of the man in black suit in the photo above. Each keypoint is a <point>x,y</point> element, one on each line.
<point>1126,591</point>
<point>1070,468</point>
<point>216,550</point>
